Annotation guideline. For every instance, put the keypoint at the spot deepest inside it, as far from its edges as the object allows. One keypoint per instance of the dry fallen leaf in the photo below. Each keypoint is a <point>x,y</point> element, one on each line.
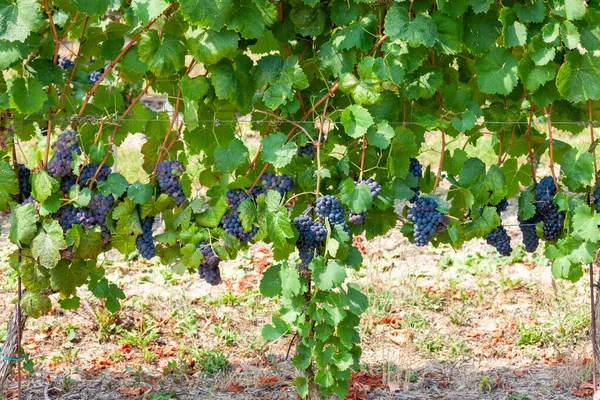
<point>399,336</point>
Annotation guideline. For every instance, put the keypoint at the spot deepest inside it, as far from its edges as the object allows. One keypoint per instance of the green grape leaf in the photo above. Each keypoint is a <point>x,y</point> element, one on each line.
<point>251,17</point>
<point>290,280</point>
<point>163,55</point>
<point>275,331</point>
<point>91,7</point>
<point>380,135</point>
<point>533,11</point>
<point>146,10</point>
<point>248,214</point>
<point>270,284</point>
<point>227,160</point>
<point>328,276</point>
<point>585,223</point>
<point>115,184</point>
<point>279,227</point>
<point>139,192</point>
<point>212,216</point>
<point>515,176</point>
<point>209,46</point>
<point>335,61</point>
<point>207,12</point>
<point>47,243</point>
<point>35,305</point>
<point>534,76</point>
<point>66,277</point>
<point>35,277</point>
<point>578,79</point>
<point>574,9</point>
<point>358,198</point>
<point>276,151</point>
<point>526,207</point>
<point>233,81</point>
<point>23,223</point>
<point>18,19</point>
<point>356,300</point>
<point>496,72</point>
<point>496,184</point>
<point>482,224</point>
<point>577,172</point>
<point>420,31</point>
<point>481,32</point>
<point>194,88</point>
<point>80,197</point>
<point>27,96</point>
<point>9,186</point>
<point>356,121</point>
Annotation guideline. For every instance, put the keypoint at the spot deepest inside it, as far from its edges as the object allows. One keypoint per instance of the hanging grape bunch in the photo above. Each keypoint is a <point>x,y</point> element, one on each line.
<point>416,170</point>
<point>209,267</point>
<point>552,219</point>
<point>24,181</point>
<point>145,242</point>
<point>311,234</point>
<point>60,164</point>
<point>427,220</point>
<point>330,209</point>
<point>169,173</point>
<point>499,238</point>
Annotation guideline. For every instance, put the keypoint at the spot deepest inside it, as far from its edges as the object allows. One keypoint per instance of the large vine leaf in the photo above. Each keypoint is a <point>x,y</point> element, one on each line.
<point>27,95</point>
<point>47,243</point>
<point>496,72</point>
<point>163,55</point>
<point>578,79</point>
<point>18,19</point>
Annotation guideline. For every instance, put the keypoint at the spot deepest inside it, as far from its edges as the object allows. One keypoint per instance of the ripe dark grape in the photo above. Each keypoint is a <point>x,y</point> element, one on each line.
<point>65,63</point>
<point>94,76</point>
<point>311,234</point>
<point>373,186</point>
<point>357,218</point>
<point>64,147</point>
<point>88,172</point>
<point>416,170</point>
<point>169,173</point>
<point>235,197</point>
<point>545,191</point>
<point>209,267</point>
<point>530,237</point>
<point>233,226</point>
<point>553,221</point>
<point>282,183</point>
<point>66,217</point>
<point>100,206</point>
<point>597,198</point>
<point>308,149</point>
<point>502,206</point>
<point>427,220</point>
<point>34,202</point>
<point>67,181</point>
<point>24,181</point>
<point>144,242</point>
<point>85,218</point>
<point>500,240</point>
<point>329,207</point>
<point>552,218</point>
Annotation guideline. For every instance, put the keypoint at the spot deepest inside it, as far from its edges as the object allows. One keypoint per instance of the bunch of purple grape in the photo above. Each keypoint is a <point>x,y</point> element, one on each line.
<point>416,169</point>
<point>282,183</point>
<point>209,267</point>
<point>144,242</point>
<point>310,235</point>
<point>24,181</point>
<point>427,220</point>
<point>552,219</point>
<point>64,147</point>
<point>65,63</point>
<point>89,170</point>
<point>329,208</point>
<point>169,173</point>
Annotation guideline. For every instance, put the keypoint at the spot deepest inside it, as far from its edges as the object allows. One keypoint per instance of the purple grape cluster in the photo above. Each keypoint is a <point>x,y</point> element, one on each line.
<point>169,173</point>
<point>24,181</point>
<point>144,242</point>
<point>416,170</point>
<point>329,208</point>
<point>597,199</point>
<point>358,218</point>
<point>282,183</point>
<point>499,238</point>
<point>232,225</point>
<point>553,219</point>
<point>234,198</point>
<point>530,237</point>
<point>67,217</point>
<point>85,218</point>
<point>308,149</point>
<point>209,267</point>
<point>94,76</point>
<point>67,181</point>
<point>100,206</point>
<point>64,147</point>
<point>65,63</point>
<point>427,220</point>
<point>32,201</point>
<point>88,172</point>
<point>310,234</point>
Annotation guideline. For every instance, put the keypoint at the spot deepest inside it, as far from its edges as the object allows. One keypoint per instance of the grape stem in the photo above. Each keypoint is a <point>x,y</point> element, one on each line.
<point>110,67</point>
<point>112,137</point>
<point>257,155</point>
<point>297,125</point>
<point>319,148</point>
<point>551,141</point>
<point>162,150</point>
<point>512,132</point>
<point>365,144</point>
<point>443,150</point>
<point>593,140</point>
<point>528,139</point>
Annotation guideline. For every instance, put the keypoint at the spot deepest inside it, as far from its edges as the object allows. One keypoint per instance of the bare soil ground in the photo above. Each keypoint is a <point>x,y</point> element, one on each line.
<point>442,324</point>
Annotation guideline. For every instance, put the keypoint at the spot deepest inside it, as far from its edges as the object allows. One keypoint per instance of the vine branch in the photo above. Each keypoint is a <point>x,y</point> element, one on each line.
<point>551,140</point>
<point>319,148</point>
<point>593,140</point>
<point>438,175</point>
<point>528,139</point>
<point>110,67</point>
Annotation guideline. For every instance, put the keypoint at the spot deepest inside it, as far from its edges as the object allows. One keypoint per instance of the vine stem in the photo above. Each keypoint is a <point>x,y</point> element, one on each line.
<point>443,150</point>
<point>64,94</point>
<point>551,139</point>
<point>112,137</point>
<point>365,144</point>
<point>500,142</point>
<point>257,155</point>
<point>593,323</point>
<point>319,148</point>
<point>528,139</point>
<point>297,125</point>
<point>593,140</point>
<point>18,308</point>
<point>162,150</point>
<point>110,67</point>
<point>323,98</point>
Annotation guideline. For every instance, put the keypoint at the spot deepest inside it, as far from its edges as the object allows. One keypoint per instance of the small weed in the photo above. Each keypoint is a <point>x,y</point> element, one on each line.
<point>515,396</point>
<point>211,362</point>
<point>161,396</point>
<point>67,383</point>
<point>485,383</point>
